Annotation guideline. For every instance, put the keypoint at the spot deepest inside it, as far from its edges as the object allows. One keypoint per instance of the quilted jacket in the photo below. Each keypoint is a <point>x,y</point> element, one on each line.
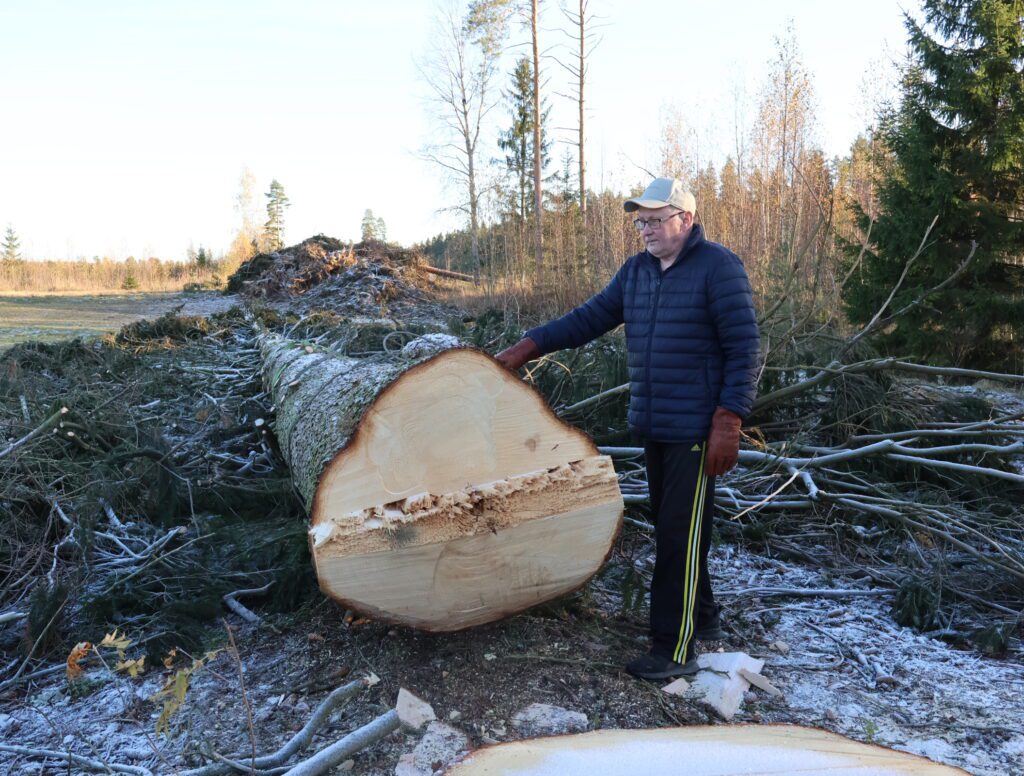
<point>691,335</point>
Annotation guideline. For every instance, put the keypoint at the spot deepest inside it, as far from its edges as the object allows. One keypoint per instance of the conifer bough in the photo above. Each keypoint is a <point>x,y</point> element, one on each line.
<point>442,491</point>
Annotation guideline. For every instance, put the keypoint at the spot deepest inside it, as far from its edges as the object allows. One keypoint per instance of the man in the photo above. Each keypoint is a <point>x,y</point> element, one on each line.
<point>692,339</point>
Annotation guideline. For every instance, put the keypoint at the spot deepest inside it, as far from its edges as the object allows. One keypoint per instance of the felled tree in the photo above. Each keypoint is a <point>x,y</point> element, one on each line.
<point>442,491</point>
<point>957,144</point>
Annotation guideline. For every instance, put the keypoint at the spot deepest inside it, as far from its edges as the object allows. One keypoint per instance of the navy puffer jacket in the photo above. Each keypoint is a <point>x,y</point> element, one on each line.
<point>691,333</point>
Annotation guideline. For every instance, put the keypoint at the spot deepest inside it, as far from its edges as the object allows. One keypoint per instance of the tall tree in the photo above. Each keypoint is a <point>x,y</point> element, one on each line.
<point>11,246</point>
<point>273,229</point>
<point>246,239</point>
<point>957,150</point>
<point>369,229</point>
<point>459,73</point>
<point>584,42</point>
<point>538,149</point>
<point>516,141</point>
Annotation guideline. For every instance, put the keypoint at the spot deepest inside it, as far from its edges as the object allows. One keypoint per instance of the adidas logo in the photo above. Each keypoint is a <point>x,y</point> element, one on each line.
<point>695,449</point>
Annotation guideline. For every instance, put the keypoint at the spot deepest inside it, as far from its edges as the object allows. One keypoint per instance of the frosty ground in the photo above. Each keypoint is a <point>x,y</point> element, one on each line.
<point>952,706</point>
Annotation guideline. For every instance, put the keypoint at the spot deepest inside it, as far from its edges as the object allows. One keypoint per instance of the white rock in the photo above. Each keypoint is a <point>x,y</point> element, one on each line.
<point>780,646</point>
<point>723,692</point>
<point>760,682</point>
<point>678,687</point>
<point>729,662</point>
<point>414,712</point>
<point>542,719</point>
<point>441,744</point>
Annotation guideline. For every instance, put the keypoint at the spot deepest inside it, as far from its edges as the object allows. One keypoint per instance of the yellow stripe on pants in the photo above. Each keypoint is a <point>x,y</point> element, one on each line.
<point>692,563</point>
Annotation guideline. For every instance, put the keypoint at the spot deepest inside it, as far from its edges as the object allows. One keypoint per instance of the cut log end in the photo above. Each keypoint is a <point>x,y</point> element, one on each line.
<point>461,499</point>
<point>733,750</point>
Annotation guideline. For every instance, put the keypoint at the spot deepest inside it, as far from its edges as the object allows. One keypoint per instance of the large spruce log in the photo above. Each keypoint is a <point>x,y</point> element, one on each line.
<point>700,750</point>
<point>442,491</point>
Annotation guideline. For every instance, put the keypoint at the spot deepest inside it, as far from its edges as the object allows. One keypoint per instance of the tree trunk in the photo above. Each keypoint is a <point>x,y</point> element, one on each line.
<point>443,492</point>
<point>538,193</point>
<point>582,138</point>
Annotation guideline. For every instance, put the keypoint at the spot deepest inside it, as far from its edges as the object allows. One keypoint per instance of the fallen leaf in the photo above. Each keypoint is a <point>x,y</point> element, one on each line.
<point>74,670</point>
<point>114,641</point>
<point>133,667</point>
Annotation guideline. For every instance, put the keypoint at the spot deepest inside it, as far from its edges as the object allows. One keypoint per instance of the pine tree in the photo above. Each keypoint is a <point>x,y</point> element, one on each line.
<point>273,229</point>
<point>370,227</point>
<point>11,246</point>
<point>957,146</point>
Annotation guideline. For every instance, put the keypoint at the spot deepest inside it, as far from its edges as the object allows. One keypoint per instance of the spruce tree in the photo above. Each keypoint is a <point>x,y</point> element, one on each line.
<point>11,246</point>
<point>957,149</point>
<point>517,140</point>
<point>273,229</point>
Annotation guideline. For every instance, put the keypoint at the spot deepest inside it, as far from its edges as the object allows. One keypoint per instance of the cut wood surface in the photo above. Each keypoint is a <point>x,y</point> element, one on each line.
<point>718,750</point>
<point>443,492</point>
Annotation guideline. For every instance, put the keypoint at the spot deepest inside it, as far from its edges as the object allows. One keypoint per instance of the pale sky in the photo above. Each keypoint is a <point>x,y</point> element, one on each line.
<point>126,125</point>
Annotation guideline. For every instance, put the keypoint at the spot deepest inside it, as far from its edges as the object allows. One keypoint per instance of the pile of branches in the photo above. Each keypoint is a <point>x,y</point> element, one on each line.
<point>138,485</point>
<point>369,280</point>
<point>291,271</point>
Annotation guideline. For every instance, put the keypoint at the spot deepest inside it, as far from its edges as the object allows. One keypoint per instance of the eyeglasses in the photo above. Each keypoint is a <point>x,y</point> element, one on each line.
<point>654,223</point>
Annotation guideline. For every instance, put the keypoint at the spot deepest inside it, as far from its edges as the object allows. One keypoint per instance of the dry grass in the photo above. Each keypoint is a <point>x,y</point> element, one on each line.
<point>105,276</point>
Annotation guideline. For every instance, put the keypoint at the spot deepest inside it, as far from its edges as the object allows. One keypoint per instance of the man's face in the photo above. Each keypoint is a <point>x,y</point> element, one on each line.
<point>667,240</point>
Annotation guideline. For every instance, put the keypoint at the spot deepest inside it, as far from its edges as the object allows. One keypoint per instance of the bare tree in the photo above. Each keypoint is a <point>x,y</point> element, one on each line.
<point>459,72</point>
<point>538,210</point>
<point>583,39</point>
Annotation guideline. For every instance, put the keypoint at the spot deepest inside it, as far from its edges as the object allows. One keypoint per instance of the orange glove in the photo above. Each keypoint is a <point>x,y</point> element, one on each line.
<point>723,442</point>
<point>517,355</point>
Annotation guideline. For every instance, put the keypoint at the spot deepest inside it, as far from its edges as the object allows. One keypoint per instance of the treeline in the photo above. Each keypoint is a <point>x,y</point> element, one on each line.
<point>922,222</point>
<point>105,275</point>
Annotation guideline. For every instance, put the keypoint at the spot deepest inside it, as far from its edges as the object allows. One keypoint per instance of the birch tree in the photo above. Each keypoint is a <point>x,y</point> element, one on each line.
<point>459,73</point>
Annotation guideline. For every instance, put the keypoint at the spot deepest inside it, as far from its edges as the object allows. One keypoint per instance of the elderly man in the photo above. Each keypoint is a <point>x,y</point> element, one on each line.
<point>692,338</point>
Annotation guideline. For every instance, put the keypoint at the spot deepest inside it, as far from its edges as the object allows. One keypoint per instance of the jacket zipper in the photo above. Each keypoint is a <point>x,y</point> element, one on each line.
<point>650,348</point>
<point>650,332</point>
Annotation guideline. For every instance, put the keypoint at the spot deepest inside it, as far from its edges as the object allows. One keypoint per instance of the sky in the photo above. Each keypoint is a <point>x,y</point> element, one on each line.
<point>126,126</point>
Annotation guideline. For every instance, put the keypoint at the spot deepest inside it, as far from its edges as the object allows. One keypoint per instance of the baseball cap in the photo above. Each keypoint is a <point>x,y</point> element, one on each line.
<point>662,192</point>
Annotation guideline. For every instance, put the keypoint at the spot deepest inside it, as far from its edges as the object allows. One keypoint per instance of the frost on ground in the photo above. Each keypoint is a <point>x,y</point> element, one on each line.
<point>845,666</point>
<point>841,664</point>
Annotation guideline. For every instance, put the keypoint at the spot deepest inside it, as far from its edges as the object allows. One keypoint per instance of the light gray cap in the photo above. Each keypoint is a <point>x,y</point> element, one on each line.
<point>662,192</point>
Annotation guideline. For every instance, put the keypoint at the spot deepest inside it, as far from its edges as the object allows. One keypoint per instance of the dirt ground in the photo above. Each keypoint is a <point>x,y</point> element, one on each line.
<point>952,706</point>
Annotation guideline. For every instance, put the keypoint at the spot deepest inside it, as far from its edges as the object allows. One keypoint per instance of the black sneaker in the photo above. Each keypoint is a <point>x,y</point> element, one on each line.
<point>651,666</point>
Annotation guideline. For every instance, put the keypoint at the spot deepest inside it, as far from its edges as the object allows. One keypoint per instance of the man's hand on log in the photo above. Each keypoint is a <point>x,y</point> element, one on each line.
<point>724,442</point>
<point>517,355</point>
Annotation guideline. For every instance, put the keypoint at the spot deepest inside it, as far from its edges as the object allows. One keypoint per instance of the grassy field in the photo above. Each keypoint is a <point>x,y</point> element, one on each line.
<point>24,318</point>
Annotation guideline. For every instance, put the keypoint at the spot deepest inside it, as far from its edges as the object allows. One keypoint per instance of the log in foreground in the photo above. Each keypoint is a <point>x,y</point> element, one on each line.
<point>443,492</point>
<point>734,750</point>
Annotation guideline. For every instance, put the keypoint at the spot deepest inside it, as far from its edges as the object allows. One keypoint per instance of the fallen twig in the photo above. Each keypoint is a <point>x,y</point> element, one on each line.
<point>74,759</point>
<point>48,423</point>
<point>232,603</point>
<point>341,750</point>
<point>300,740</point>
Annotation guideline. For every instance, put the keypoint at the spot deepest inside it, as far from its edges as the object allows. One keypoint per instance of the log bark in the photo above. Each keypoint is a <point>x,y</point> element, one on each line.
<point>442,491</point>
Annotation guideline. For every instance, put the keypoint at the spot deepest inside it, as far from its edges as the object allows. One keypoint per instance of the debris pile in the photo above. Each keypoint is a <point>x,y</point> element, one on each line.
<point>368,280</point>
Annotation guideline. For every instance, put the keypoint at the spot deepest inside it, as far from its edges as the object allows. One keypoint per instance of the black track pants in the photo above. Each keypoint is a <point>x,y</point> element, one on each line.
<point>682,504</point>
